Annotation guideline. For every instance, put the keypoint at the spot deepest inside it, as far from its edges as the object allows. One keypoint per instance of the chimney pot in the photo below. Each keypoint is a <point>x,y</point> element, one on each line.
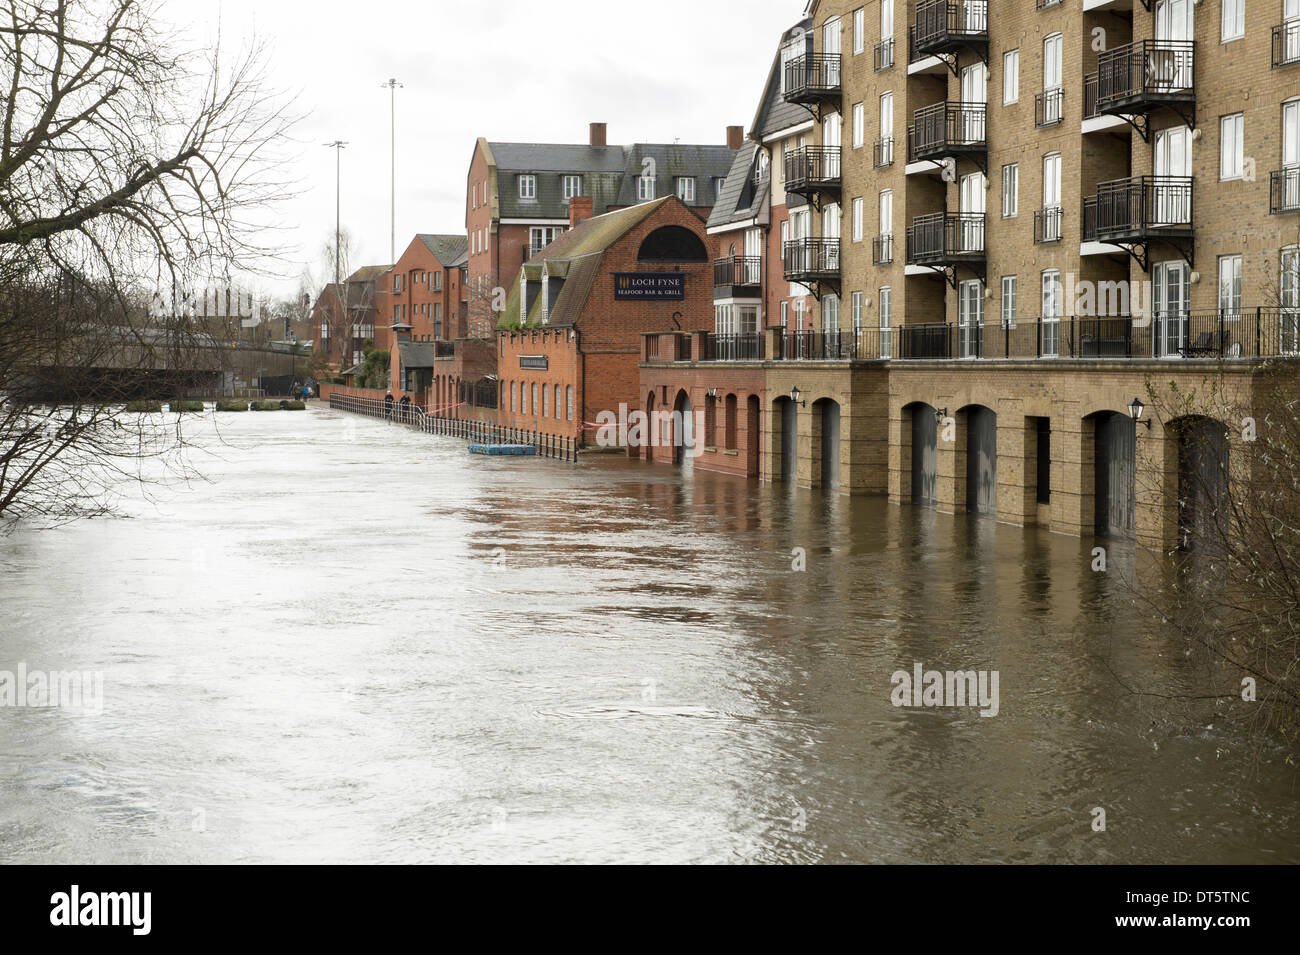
<point>735,137</point>
<point>598,135</point>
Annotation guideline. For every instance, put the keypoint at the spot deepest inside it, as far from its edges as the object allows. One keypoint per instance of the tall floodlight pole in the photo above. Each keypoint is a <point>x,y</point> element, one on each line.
<point>393,86</point>
<point>338,146</point>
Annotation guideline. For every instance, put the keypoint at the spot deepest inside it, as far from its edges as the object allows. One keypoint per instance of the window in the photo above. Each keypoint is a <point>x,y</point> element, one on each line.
<point>1051,227</point>
<point>568,397</point>
<point>887,221</point>
<point>572,187</point>
<point>970,317</point>
<point>1050,345</point>
<point>859,30</point>
<point>546,402</point>
<point>514,394</point>
<point>1009,288</point>
<point>859,125</point>
<point>887,115</point>
<point>645,188</point>
<point>830,314</point>
<point>527,187</point>
<point>535,397</point>
<point>437,281</point>
<point>1234,20</point>
<point>886,322</point>
<point>559,412</point>
<point>886,19</point>
<point>1010,190</point>
<point>1010,77</point>
<point>730,422</point>
<point>857,314</point>
<point>785,315</point>
<point>686,188</point>
<point>857,220</point>
<point>1230,285</point>
<point>1231,146</point>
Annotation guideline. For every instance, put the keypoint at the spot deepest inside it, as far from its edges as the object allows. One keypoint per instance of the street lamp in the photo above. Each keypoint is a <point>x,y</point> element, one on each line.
<point>1135,409</point>
<point>795,393</point>
<point>392,86</point>
<point>940,414</point>
<point>338,146</point>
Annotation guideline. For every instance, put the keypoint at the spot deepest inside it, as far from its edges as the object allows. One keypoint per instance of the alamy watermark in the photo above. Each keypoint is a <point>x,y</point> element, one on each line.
<point>953,688</point>
<point>53,689</point>
<point>654,429</point>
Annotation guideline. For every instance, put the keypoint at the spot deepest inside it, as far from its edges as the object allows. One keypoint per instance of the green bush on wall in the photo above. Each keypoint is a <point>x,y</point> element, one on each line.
<point>144,407</point>
<point>232,405</point>
<point>186,407</point>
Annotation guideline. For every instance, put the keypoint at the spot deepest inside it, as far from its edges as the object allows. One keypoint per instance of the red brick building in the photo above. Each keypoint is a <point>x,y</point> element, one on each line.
<point>425,305</point>
<point>571,335</point>
<point>345,317</point>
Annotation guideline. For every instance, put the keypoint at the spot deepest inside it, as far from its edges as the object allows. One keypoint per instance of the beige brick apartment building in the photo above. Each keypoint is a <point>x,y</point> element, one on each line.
<point>1012,219</point>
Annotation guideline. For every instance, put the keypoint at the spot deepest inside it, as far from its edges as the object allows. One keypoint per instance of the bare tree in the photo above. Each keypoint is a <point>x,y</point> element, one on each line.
<point>128,167</point>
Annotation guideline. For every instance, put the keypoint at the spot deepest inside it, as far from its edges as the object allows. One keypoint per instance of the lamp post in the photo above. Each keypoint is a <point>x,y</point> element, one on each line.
<point>338,146</point>
<point>795,394</point>
<point>393,87</point>
<point>1135,409</point>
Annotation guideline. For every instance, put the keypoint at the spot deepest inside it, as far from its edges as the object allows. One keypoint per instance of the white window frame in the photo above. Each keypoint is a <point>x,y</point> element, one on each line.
<point>1232,146</point>
<point>527,187</point>
<point>1010,292</point>
<point>1011,195</point>
<point>1011,77</point>
<point>645,188</point>
<point>1230,267</point>
<point>572,186</point>
<point>859,124</point>
<point>1232,24</point>
<point>685,188</point>
<point>856,314</point>
<point>886,20</point>
<point>886,321</point>
<point>857,219</point>
<point>859,30</point>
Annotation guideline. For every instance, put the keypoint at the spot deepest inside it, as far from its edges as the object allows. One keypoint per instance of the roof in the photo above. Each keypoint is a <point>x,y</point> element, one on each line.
<point>416,354</point>
<point>577,255</point>
<point>337,290</point>
<point>774,113</point>
<point>609,174</point>
<point>368,273</point>
<point>449,250</point>
<point>742,196</point>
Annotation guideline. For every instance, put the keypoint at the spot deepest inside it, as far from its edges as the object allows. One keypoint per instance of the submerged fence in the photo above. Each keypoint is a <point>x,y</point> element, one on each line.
<point>475,432</point>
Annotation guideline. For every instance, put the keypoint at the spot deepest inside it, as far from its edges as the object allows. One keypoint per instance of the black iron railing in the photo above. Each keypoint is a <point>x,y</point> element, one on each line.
<point>1284,190</point>
<point>882,249</point>
<point>812,167</point>
<point>941,26</point>
<point>811,258</point>
<point>738,270</point>
<point>924,341</point>
<point>1090,85</point>
<point>945,237</point>
<point>1286,43</point>
<point>1143,205</point>
<point>1049,107</point>
<point>883,154</point>
<point>733,347</point>
<point>821,346</point>
<point>945,128</point>
<point>884,54</point>
<point>1047,225</point>
<point>812,77</point>
<point>1145,73</point>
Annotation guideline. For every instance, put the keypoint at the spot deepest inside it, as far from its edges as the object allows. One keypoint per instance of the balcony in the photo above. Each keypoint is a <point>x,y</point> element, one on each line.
<point>1138,209</point>
<point>1047,225</point>
<point>812,78</point>
<point>947,26</point>
<point>1048,109</point>
<point>883,153</point>
<point>948,129</point>
<point>945,239</point>
<point>1284,190</point>
<point>744,347</point>
<point>1286,44</point>
<point>1147,75</point>
<point>882,249</point>
<point>811,260</point>
<point>883,58</point>
<point>827,346</point>
<point>738,276</point>
<point>810,170</point>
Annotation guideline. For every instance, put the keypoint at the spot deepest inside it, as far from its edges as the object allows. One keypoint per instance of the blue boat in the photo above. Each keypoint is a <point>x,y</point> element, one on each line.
<point>502,449</point>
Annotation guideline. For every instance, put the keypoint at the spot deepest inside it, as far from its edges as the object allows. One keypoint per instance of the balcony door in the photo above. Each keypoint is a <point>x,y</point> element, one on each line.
<point>1291,30</point>
<point>1172,197</point>
<point>1050,344</point>
<point>970,316</point>
<point>753,256</point>
<point>1052,50</point>
<point>974,94</point>
<point>1052,197</point>
<point>1291,150</point>
<point>1172,291</point>
<point>886,225</point>
<point>1171,69</point>
<point>971,207</point>
<point>831,34</point>
<point>829,259</point>
<point>1289,288</point>
<point>832,129</point>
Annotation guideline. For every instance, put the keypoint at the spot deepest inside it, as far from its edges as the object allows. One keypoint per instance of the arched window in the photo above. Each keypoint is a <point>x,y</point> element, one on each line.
<point>523,397</point>
<point>514,390</point>
<point>672,243</point>
<point>731,423</point>
<point>559,413</point>
<point>710,420</point>
<point>534,397</point>
<point>568,396</point>
<point>546,402</point>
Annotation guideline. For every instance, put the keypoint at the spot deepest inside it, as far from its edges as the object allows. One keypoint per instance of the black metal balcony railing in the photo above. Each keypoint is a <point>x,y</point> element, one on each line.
<point>812,168</point>
<point>882,249</point>
<point>1284,190</point>
<point>945,238</point>
<point>811,259</point>
<point>944,26</point>
<point>884,54</point>
<point>822,346</point>
<point>1090,87</point>
<point>812,77</point>
<point>1047,225</point>
<point>1286,43</point>
<point>733,347</point>
<point>738,271</point>
<point>1145,74</point>
<point>1127,209</point>
<point>883,154</point>
<point>1048,107</point>
<point>946,129</point>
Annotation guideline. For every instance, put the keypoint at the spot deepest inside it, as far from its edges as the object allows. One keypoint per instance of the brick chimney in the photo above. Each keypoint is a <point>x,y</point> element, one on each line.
<point>598,135</point>
<point>735,137</point>
<point>580,208</point>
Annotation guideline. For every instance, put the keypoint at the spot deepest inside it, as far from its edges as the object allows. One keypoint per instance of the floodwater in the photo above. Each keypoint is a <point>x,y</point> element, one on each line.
<point>356,643</point>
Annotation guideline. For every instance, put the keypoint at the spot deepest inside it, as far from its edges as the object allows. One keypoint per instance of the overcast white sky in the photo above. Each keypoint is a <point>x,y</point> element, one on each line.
<point>515,70</point>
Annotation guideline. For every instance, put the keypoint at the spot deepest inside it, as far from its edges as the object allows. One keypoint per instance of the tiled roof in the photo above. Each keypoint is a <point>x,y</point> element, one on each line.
<point>774,113</point>
<point>416,354</point>
<point>449,250</point>
<point>741,198</point>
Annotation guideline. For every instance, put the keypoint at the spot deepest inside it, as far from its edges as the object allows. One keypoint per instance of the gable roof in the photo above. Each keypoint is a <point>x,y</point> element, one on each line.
<point>774,113</point>
<point>449,250</point>
<point>742,196</point>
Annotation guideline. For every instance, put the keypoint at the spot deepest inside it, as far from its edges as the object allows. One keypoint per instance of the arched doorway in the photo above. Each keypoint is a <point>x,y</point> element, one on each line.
<point>827,415</point>
<point>752,436</point>
<point>1115,474</point>
<point>683,428</point>
<point>925,453</point>
<point>1202,481</point>
<point>981,460</point>
<point>649,439</point>
<point>785,415</point>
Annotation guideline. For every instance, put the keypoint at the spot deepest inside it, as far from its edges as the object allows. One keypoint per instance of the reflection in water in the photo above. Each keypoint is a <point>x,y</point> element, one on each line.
<point>357,643</point>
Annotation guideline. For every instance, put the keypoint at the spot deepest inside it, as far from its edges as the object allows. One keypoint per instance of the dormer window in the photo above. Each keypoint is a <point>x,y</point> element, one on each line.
<point>572,187</point>
<point>645,188</point>
<point>527,187</point>
<point>686,188</point>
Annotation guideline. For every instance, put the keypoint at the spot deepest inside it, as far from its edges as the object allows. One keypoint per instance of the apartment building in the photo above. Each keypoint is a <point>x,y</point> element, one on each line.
<point>1019,215</point>
<point>346,314</point>
<point>424,303</point>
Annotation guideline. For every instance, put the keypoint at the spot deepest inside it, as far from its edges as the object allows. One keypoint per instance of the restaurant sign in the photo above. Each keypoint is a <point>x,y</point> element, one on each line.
<point>649,286</point>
